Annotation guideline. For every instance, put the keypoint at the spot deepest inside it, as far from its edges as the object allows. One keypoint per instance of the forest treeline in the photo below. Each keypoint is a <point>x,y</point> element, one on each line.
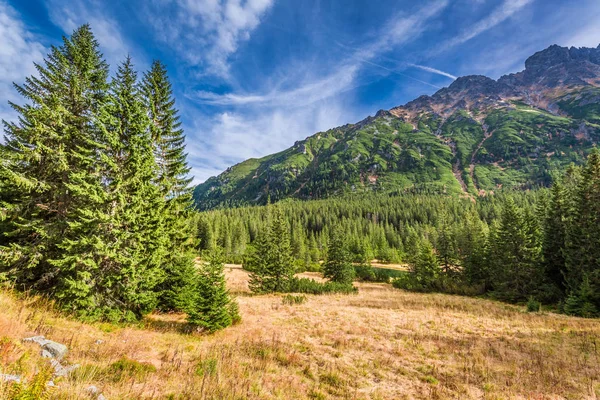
<point>95,204</point>
<point>535,246</point>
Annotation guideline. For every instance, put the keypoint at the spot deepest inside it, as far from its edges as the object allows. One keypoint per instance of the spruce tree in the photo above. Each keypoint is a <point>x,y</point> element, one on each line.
<point>338,267</point>
<point>168,142</point>
<point>272,269</point>
<point>425,269</point>
<point>54,142</point>
<point>212,308</point>
<point>555,235</point>
<point>112,266</point>
<point>516,254</point>
<point>582,252</point>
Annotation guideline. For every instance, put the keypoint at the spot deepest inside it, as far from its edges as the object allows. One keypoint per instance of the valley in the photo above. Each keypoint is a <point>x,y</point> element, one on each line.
<point>381,343</point>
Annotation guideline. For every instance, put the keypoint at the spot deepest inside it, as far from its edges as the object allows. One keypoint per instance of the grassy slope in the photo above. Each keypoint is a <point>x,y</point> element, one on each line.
<point>511,147</point>
<point>380,344</point>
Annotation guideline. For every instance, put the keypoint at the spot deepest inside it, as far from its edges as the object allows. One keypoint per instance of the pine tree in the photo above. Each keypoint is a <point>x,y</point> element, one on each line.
<point>272,269</point>
<point>167,135</point>
<point>582,253</point>
<point>212,308</point>
<point>54,142</point>
<point>425,270</point>
<point>168,141</point>
<point>516,254</point>
<point>446,246</point>
<point>338,267</point>
<point>473,248</point>
<point>555,236</point>
<point>112,266</point>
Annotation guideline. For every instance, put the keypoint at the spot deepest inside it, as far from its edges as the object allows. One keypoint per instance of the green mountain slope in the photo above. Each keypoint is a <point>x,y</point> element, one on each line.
<point>476,136</point>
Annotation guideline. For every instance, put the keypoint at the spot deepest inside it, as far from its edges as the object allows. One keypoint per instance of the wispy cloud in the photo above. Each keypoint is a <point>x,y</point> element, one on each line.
<point>499,15</point>
<point>70,15</point>
<point>207,32</point>
<point>395,33</point>
<point>433,70</point>
<point>19,49</point>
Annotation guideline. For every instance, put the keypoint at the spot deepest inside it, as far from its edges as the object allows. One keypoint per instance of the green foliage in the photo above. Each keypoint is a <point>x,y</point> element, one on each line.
<point>272,266</point>
<point>211,307</point>
<point>291,300</point>
<point>338,267</point>
<point>94,204</point>
<point>533,305</point>
<point>310,286</point>
<point>515,254</point>
<point>207,367</point>
<point>36,389</point>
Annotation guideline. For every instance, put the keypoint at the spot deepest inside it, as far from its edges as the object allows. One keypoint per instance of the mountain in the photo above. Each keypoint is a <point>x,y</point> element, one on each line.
<point>474,137</point>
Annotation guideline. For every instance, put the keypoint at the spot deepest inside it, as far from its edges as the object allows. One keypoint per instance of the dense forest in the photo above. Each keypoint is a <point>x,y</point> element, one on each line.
<point>536,246</point>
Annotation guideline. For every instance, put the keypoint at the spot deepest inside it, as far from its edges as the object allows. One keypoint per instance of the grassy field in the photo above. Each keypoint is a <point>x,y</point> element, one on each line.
<point>382,343</point>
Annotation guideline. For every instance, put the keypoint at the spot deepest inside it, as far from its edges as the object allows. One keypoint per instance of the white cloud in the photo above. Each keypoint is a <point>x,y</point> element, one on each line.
<point>207,32</point>
<point>19,49</point>
<point>502,13</point>
<point>395,33</point>
<point>70,15</point>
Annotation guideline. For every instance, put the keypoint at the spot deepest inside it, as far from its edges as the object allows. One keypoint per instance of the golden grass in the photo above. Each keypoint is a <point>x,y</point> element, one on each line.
<point>382,343</point>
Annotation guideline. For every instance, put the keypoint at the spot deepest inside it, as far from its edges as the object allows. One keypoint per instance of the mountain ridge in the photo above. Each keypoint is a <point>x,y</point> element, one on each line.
<point>473,137</point>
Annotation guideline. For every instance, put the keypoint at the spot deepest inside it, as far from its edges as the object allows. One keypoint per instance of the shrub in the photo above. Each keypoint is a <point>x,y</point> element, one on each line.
<point>290,299</point>
<point>310,286</point>
<point>533,305</point>
<point>207,367</point>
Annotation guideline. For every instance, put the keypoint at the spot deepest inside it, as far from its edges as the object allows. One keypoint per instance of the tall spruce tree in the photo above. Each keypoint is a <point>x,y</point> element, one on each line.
<point>582,252</point>
<point>338,267</point>
<point>515,254</point>
<point>54,136</point>
<point>272,268</point>
<point>212,308</point>
<point>172,178</point>
<point>112,266</point>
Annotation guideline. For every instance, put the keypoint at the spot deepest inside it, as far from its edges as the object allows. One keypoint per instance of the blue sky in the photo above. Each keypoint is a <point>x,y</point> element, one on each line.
<point>253,76</point>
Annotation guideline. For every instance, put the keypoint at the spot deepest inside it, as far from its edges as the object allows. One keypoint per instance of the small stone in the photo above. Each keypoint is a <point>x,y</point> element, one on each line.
<point>95,393</point>
<point>36,339</point>
<point>10,378</point>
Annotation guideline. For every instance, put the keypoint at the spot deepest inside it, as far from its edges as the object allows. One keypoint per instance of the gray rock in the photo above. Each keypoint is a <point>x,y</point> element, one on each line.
<point>57,350</point>
<point>95,393</point>
<point>10,378</point>
<point>50,349</point>
<point>60,370</point>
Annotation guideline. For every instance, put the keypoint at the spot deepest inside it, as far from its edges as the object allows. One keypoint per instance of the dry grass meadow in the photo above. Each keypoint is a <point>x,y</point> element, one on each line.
<point>382,343</point>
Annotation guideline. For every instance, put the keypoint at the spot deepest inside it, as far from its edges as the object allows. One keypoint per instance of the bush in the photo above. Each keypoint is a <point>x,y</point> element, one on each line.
<point>367,273</point>
<point>533,305</point>
<point>290,299</point>
<point>310,286</point>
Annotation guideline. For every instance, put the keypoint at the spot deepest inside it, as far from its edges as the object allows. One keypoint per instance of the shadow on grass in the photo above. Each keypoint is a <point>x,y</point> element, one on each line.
<point>175,323</point>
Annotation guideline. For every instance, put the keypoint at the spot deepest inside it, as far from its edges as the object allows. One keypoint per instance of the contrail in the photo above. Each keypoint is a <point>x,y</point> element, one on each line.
<point>433,70</point>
